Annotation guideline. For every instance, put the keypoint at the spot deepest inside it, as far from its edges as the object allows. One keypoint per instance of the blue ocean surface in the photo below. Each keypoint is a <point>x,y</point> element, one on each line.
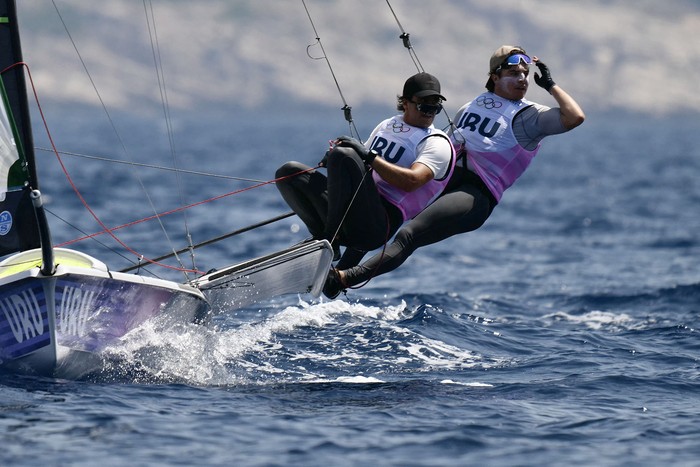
<point>563,332</point>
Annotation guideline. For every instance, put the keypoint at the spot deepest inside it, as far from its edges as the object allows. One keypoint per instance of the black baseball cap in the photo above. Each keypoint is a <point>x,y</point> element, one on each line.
<point>422,85</point>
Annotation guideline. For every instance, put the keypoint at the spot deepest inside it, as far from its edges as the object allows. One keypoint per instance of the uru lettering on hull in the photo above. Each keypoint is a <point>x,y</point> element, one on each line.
<point>24,325</point>
<point>73,310</point>
<point>23,314</point>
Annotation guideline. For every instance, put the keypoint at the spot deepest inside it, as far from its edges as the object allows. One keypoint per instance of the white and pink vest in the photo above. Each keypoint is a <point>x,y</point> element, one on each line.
<point>485,128</point>
<point>396,142</point>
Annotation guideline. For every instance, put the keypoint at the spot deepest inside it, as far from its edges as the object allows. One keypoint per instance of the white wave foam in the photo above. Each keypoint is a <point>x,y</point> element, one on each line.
<point>348,380</point>
<point>359,337</point>
<point>436,354</point>
<point>594,319</point>
<point>472,385</point>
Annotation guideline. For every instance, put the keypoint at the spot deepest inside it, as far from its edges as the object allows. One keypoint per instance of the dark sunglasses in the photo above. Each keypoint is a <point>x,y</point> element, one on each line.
<point>429,109</point>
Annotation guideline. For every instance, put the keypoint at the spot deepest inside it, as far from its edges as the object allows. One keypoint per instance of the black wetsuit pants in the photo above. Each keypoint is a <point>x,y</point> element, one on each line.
<point>464,206</point>
<point>344,207</point>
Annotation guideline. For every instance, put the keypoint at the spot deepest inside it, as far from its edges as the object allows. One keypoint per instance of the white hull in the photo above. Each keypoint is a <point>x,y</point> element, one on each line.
<point>58,325</point>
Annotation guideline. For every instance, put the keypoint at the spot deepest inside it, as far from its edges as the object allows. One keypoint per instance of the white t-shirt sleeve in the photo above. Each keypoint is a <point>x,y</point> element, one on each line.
<point>435,153</point>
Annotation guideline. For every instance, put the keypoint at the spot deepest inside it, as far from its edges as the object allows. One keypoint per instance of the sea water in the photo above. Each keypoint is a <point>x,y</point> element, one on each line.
<point>563,332</point>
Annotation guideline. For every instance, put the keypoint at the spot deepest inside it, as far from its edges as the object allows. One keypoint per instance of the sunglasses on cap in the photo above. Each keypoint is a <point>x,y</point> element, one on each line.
<point>430,109</point>
<point>515,60</point>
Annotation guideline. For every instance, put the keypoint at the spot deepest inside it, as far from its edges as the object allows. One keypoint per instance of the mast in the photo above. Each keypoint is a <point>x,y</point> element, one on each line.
<point>15,84</point>
<point>23,224</point>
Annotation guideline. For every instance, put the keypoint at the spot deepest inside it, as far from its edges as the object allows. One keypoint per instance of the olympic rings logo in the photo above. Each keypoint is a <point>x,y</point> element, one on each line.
<point>488,102</point>
<point>398,127</point>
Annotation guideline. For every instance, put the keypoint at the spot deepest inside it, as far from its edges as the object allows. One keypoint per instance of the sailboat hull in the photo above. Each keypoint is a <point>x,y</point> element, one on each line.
<point>59,325</point>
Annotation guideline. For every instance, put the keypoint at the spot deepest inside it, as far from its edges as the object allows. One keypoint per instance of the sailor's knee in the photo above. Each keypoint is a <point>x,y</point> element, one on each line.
<point>290,168</point>
<point>405,241</point>
<point>343,151</point>
<point>342,155</point>
<point>405,236</point>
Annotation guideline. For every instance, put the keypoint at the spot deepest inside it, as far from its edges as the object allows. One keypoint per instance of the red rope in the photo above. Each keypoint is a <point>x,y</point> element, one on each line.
<point>182,208</point>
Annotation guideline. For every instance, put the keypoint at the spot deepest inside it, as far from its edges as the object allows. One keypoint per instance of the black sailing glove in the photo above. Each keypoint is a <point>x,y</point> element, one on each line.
<point>365,154</point>
<point>545,81</point>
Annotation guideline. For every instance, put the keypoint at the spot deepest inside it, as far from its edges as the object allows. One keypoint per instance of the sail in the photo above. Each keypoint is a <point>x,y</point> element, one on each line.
<point>18,225</point>
<point>8,149</point>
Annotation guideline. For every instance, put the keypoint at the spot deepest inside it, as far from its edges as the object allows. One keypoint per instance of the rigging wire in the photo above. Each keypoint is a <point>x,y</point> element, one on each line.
<point>150,166</point>
<point>160,73</point>
<point>109,231</point>
<point>406,38</point>
<point>181,208</point>
<point>121,143</point>
<point>347,110</point>
<point>70,180</point>
<point>102,244</point>
<point>222,237</point>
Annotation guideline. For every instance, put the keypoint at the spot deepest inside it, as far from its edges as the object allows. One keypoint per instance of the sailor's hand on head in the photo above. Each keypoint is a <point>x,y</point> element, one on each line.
<point>544,79</point>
